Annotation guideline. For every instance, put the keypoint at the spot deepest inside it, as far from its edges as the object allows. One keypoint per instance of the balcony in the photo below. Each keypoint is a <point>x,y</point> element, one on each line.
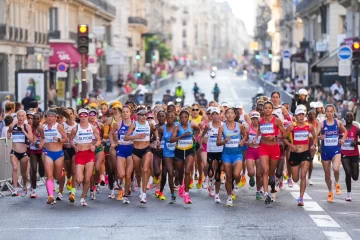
<point>102,4</point>
<point>308,5</point>
<point>9,33</point>
<point>138,22</point>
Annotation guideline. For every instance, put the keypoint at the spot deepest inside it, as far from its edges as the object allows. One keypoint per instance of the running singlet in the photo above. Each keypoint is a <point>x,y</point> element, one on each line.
<point>68,130</point>
<point>278,111</point>
<point>315,127</point>
<point>121,134</point>
<point>348,149</point>
<point>32,147</point>
<point>96,125</point>
<point>49,134</point>
<point>168,147</point>
<point>252,135</point>
<point>300,135</point>
<point>84,136</point>
<point>331,141</point>
<point>196,120</point>
<point>234,135</point>
<point>212,138</point>
<point>142,128</point>
<point>185,143</point>
<point>268,129</point>
<point>18,136</point>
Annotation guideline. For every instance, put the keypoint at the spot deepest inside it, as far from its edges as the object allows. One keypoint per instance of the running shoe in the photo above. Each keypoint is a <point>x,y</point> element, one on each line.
<point>338,189</point>
<point>181,191</point>
<point>33,194</point>
<point>199,184</point>
<point>310,182</point>
<point>59,196</point>
<point>157,193</point>
<point>211,191</point>
<point>176,187</point>
<point>156,180</point>
<point>281,184</point>
<point>83,202</point>
<point>143,198</point>
<point>173,200</point>
<point>24,192</point>
<point>217,199</point>
<point>262,189</point>
<point>290,183</point>
<point>258,196</point>
<point>205,183</point>
<point>229,202</point>
<point>162,197</point>
<point>330,197</point>
<point>191,183</point>
<point>126,200</point>
<point>222,177</point>
<point>98,188</point>
<point>267,199</point>
<point>72,198</point>
<point>92,195</point>
<point>69,185</point>
<point>242,182</point>
<point>252,182</point>
<point>187,199</point>
<point>15,193</point>
<point>120,195</point>
<point>273,197</point>
<point>348,197</point>
<point>111,194</point>
<point>102,183</point>
<point>233,196</point>
<point>300,202</point>
<point>286,177</point>
<point>236,187</point>
<point>51,200</point>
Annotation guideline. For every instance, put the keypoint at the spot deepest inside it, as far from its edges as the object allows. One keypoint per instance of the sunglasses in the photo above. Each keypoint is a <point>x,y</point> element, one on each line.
<point>92,114</point>
<point>195,109</point>
<point>142,115</point>
<point>150,118</point>
<point>83,115</point>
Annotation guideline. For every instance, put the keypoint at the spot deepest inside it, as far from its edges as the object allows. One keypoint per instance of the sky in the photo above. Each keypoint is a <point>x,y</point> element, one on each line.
<point>246,11</point>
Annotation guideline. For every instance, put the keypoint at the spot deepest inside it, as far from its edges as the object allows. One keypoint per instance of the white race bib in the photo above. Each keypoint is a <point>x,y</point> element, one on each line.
<point>185,143</point>
<point>162,144</point>
<point>301,136</point>
<point>233,143</point>
<point>123,142</point>
<point>170,146</point>
<point>212,147</point>
<point>331,142</point>
<point>18,138</point>
<point>252,138</point>
<point>267,128</point>
<point>32,146</point>
<point>347,145</point>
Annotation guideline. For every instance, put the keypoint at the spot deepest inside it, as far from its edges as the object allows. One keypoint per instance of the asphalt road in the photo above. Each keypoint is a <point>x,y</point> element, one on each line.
<point>25,218</point>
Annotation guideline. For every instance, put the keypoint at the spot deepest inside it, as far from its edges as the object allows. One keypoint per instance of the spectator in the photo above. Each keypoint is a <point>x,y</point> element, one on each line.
<point>7,99</point>
<point>8,121</point>
<point>2,122</point>
<point>35,106</point>
<point>18,107</point>
<point>344,109</point>
<point>300,98</point>
<point>26,102</point>
<point>52,93</point>
<point>337,95</point>
<point>9,108</point>
<point>337,86</point>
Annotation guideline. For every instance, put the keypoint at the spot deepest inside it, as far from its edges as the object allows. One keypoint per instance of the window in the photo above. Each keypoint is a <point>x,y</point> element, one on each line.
<point>184,44</point>
<point>53,19</point>
<point>184,33</point>
<point>184,23</point>
<point>196,35</point>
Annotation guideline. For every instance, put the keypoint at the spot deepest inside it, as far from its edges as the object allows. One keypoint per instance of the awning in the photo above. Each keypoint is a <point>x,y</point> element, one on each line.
<point>329,63</point>
<point>66,53</point>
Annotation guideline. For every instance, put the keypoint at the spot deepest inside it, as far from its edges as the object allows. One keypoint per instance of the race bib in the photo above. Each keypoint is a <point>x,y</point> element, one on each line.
<point>123,142</point>
<point>18,138</point>
<point>182,143</point>
<point>331,142</point>
<point>212,147</point>
<point>32,146</point>
<point>233,143</point>
<point>162,144</point>
<point>49,136</point>
<point>347,145</point>
<point>267,128</point>
<point>107,142</point>
<point>301,136</point>
<point>252,138</point>
<point>170,146</point>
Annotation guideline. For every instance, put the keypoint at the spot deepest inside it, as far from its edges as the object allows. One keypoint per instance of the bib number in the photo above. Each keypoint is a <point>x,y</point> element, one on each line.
<point>171,146</point>
<point>331,142</point>
<point>347,146</point>
<point>233,143</point>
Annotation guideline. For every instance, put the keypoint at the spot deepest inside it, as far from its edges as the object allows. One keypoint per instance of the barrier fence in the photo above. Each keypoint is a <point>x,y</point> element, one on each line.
<point>5,165</point>
<point>269,88</point>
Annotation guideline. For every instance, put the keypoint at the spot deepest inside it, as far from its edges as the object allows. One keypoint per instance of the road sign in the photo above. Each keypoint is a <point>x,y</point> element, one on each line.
<point>345,53</point>
<point>61,74</point>
<point>62,67</point>
<point>286,54</point>
<point>344,69</point>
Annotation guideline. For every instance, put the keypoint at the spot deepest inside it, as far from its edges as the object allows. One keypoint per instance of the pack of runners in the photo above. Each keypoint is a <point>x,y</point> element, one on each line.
<point>132,149</point>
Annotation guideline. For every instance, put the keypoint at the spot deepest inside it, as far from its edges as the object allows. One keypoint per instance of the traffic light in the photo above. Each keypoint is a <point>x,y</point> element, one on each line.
<point>270,54</point>
<point>83,38</point>
<point>138,56</point>
<point>139,74</point>
<point>356,50</point>
<point>153,55</point>
<point>257,55</point>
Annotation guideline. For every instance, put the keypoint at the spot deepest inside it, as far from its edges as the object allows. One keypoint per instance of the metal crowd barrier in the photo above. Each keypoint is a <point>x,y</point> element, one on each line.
<point>269,88</point>
<point>5,165</point>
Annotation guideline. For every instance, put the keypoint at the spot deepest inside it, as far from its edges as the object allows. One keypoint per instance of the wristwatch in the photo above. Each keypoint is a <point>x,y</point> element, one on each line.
<point>59,139</point>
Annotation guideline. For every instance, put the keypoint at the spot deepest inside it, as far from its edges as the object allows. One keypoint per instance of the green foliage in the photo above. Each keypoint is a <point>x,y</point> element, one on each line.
<point>155,42</point>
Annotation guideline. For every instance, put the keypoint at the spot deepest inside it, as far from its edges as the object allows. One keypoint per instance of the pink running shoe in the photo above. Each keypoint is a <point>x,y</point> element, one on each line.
<point>187,199</point>
<point>181,191</point>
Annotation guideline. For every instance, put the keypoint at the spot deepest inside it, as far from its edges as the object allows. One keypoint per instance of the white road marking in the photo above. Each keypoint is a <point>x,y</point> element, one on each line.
<point>337,235</point>
<point>294,188</point>
<point>210,226</point>
<point>44,228</point>
<point>324,221</point>
<point>312,207</point>
<point>296,195</point>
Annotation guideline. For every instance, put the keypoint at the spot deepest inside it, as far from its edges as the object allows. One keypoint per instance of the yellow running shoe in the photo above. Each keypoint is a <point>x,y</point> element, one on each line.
<point>120,195</point>
<point>330,197</point>
<point>199,184</point>
<point>233,196</point>
<point>191,183</point>
<point>156,180</point>
<point>69,185</point>
<point>338,189</point>
<point>157,193</point>
<point>72,198</point>
<point>162,197</point>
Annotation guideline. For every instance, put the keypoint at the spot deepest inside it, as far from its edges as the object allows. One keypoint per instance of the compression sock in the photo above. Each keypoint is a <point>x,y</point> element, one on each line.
<point>50,187</point>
